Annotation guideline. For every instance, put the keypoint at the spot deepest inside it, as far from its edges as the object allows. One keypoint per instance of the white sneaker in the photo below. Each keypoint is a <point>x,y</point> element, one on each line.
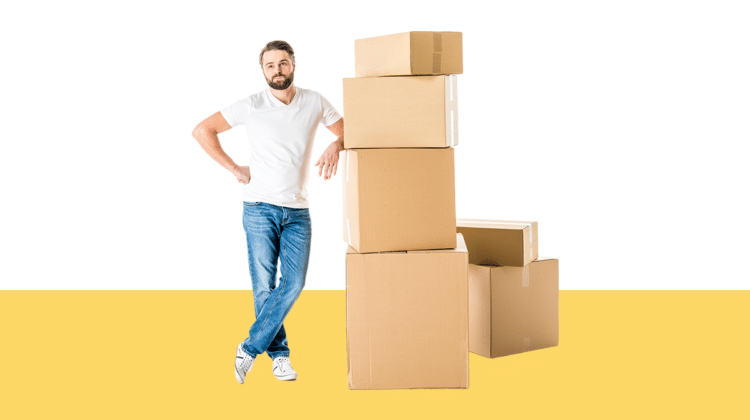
<point>242,364</point>
<point>282,369</point>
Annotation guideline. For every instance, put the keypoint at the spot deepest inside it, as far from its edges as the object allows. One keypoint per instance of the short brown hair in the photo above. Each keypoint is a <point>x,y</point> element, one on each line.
<point>276,45</point>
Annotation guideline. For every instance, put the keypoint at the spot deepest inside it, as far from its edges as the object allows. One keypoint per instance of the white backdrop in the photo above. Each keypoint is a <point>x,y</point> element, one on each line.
<point>620,126</point>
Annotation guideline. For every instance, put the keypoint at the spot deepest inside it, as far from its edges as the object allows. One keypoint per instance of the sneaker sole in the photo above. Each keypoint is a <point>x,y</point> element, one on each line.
<point>292,377</point>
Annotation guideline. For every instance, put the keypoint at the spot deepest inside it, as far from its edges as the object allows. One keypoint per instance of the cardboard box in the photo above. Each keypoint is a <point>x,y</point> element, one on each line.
<point>391,112</point>
<point>499,242</point>
<point>399,199</point>
<point>513,309</point>
<point>409,53</point>
<point>407,319</point>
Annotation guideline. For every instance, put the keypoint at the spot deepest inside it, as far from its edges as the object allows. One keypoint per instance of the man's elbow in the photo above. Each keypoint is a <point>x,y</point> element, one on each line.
<point>200,131</point>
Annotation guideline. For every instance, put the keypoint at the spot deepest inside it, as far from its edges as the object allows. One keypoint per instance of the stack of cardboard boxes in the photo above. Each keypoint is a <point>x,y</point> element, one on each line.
<point>406,267</point>
<point>513,293</point>
<point>424,289</point>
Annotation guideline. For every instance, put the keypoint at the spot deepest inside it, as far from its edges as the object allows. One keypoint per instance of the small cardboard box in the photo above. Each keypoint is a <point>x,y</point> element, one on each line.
<point>392,112</point>
<point>407,319</point>
<point>513,309</point>
<point>409,53</point>
<point>399,199</point>
<point>499,242</point>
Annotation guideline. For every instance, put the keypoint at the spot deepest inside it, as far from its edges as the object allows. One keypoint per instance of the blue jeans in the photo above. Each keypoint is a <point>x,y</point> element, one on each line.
<point>275,234</point>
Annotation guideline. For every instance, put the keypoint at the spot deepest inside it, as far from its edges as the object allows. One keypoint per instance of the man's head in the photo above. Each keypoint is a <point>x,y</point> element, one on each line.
<point>277,62</point>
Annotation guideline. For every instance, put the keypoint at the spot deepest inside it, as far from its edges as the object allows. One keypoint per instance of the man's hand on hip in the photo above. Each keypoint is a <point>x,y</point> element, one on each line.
<point>329,160</point>
<point>242,173</point>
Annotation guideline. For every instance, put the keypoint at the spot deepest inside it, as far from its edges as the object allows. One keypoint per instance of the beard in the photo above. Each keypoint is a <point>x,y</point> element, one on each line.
<point>283,84</point>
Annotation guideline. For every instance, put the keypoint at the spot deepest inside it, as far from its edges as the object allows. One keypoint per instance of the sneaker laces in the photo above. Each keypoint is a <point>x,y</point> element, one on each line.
<point>247,362</point>
<point>284,363</point>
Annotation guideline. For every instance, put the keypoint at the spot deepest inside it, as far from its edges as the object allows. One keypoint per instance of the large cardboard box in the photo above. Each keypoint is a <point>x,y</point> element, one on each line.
<point>409,53</point>
<point>513,309</point>
<point>399,199</point>
<point>500,242</point>
<point>391,112</point>
<point>407,319</point>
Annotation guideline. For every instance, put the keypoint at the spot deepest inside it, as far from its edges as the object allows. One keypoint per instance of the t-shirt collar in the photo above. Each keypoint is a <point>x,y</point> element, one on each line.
<point>294,98</point>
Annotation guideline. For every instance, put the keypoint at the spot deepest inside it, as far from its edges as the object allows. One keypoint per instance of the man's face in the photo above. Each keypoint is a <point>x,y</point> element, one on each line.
<point>278,69</point>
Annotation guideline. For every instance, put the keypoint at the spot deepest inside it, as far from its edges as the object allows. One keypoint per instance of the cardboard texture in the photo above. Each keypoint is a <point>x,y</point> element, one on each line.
<point>513,309</point>
<point>399,199</point>
<point>407,319</point>
<point>498,242</point>
<point>409,53</point>
<point>393,112</point>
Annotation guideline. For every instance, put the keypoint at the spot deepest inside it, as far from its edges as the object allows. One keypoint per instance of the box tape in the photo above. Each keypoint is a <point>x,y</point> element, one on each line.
<point>437,52</point>
<point>526,343</point>
<point>531,241</point>
<point>349,232</point>
<point>451,111</point>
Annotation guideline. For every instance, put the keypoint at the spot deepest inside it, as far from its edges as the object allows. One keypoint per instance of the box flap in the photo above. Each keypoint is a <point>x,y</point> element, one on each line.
<point>500,242</point>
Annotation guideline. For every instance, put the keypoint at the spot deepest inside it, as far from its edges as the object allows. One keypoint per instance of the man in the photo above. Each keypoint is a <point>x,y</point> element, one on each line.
<point>280,124</point>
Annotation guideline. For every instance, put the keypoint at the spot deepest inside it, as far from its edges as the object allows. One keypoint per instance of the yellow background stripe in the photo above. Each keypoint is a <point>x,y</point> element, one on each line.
<point>170,354</point>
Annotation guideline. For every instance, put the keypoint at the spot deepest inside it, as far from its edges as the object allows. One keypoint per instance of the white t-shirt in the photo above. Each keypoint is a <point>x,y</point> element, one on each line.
<point>281,138</point>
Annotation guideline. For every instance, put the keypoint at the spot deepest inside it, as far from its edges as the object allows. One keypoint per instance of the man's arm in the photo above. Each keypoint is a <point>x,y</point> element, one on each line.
<point>329,160</point>
<point>207,134</point>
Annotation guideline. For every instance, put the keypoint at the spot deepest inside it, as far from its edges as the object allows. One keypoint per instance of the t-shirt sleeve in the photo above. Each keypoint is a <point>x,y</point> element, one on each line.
<point>236,113</point>
<point>330,115</point>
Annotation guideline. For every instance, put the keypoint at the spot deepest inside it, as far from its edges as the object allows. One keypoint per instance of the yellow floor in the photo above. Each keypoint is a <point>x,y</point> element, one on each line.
<point>169,354</point>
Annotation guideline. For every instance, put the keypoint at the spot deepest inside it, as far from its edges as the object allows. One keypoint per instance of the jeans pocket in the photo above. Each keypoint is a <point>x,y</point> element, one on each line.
<point>251,204</point>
